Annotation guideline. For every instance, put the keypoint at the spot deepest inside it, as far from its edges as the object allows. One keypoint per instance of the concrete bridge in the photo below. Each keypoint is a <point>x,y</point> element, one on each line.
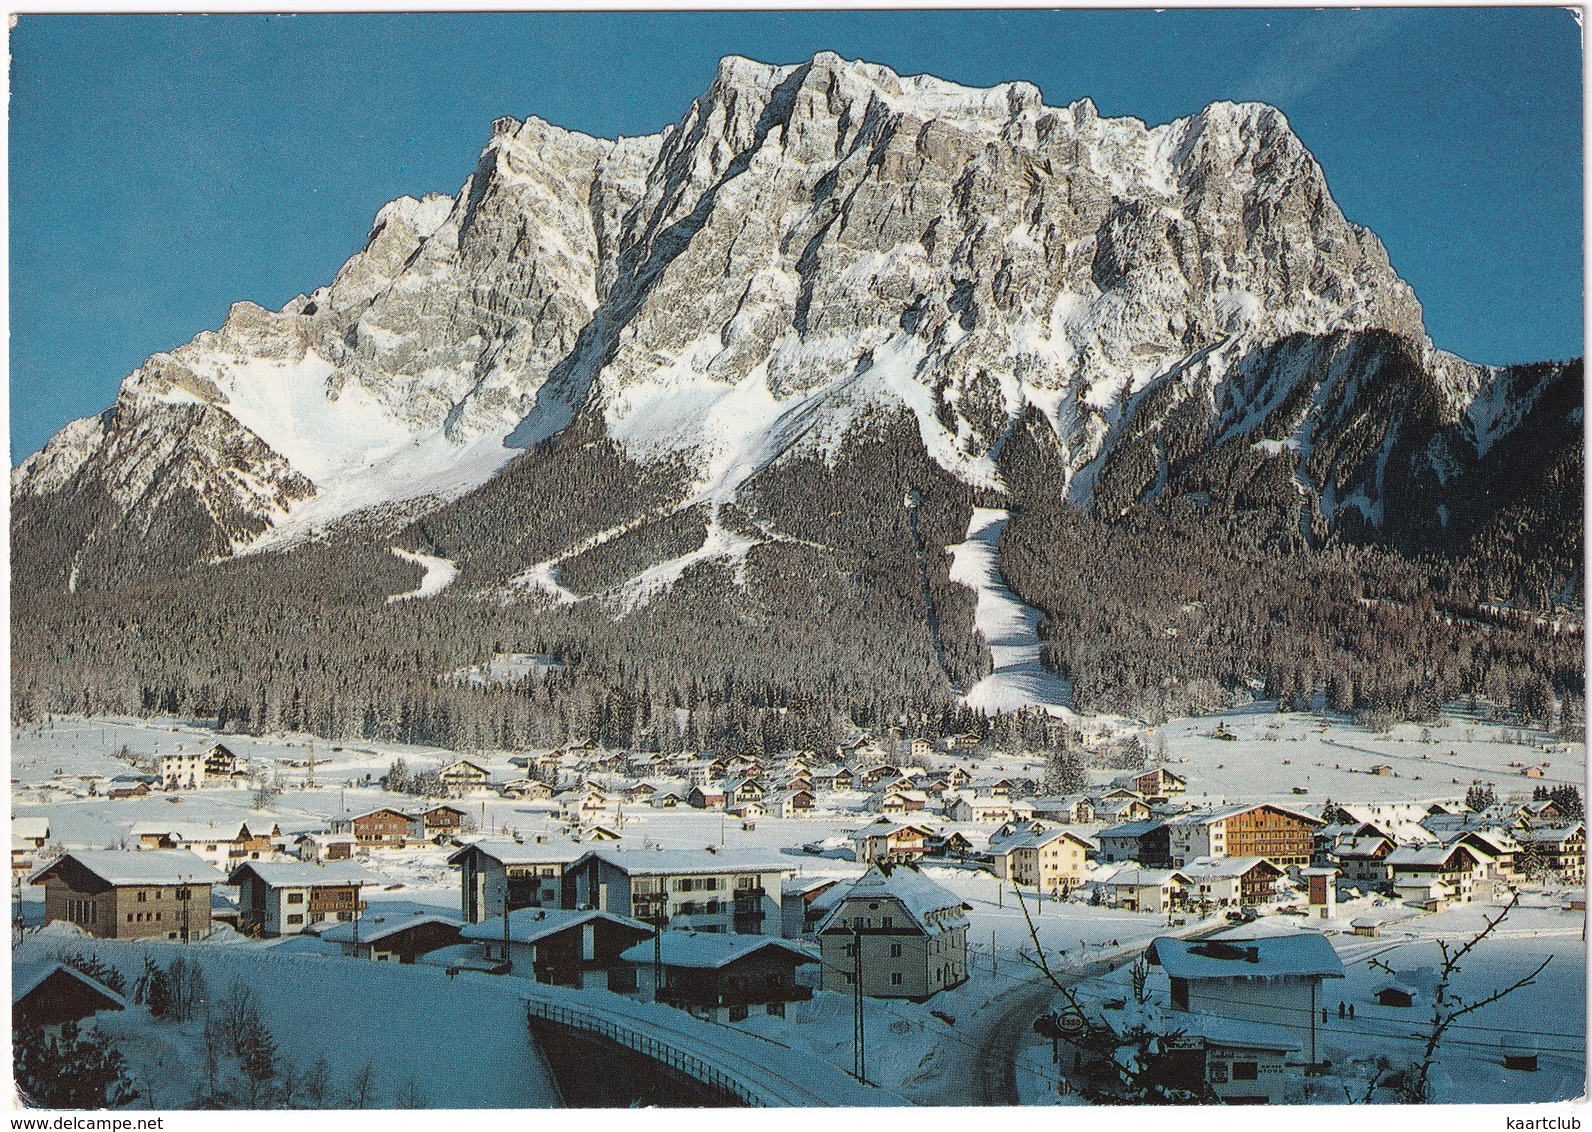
<point>754,1070</point>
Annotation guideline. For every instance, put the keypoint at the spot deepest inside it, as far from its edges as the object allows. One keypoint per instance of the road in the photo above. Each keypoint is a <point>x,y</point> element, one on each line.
<point>987,1043</point>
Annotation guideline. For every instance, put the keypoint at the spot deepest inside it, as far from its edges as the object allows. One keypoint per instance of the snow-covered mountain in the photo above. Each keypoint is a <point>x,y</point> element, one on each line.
<point>808,249</point>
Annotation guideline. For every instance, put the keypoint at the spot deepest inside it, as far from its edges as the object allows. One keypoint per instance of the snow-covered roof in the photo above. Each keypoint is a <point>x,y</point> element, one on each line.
<point>669,862</point>
<point>527,925</point>
<point>1555,834</point>
<point>149,866</point>
<point>31,827</point>
<point>290,874</point>
<point>1222,813</point>
<point>1425,857</point>
<point>711,951</point>
<point>506,852</point>
<point>1142,878</point>
<point>1220,867</point>
<point>26,977</point>
<point>931,907</point>
<point>1133,829</point>
<point>883,827</point>
<point>1237,1033</point>
<point>373,928</point>
<point>1038,839</point>
<point>1303,953</point>
<point>1363,846</point>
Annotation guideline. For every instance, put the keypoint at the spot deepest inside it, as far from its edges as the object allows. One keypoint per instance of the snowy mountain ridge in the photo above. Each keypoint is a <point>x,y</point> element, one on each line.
<point>808,243</point>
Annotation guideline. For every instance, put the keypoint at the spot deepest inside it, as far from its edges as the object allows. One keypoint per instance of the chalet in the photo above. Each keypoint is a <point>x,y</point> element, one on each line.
<point>1433,876</point>
<point>706,798</point>
<point>223,845</point>
<point>1362,859</point>
<point>721,977</point>
<point>666,799</point>
<point>179,771</point>
<point>713,890</point>
<point>745,790</point>
<point>1073,809</point>
<point>1144,890</point>
<point>526,875</point>
<point>1117,808</point>
<point>526,789</point>
<point>464,777</point>
<point>987,809</point>
<point>833,778</point>
<point>967,741</point>
<point>639,791</point>
<point>277,898</point>
<point>50,994</point>
<point>912,936</point>
<point>441,822</point>
<point>790,804</point>
<point>797,898</point>
<point>922,748</point>
<point>1281,835</point>
<point>33,831</point>
<point>1275,980</point>
<point>887,840</point>
<point>563,947</point>
<point>1050,861</point>
<point>1381,769</point>
<point>323,847</point>
<point>1156,783</point>
<point>1558,852</point>
<point>390,938</point>
<point>1228,882</point>
<point>1147,842</point>
<point>1496,851</point>
<point>126,894</point>
<point>383,827</point>
<point>747,811</point>
<point>955,845</point>
<point>128,790</point>
<point>585,804</point>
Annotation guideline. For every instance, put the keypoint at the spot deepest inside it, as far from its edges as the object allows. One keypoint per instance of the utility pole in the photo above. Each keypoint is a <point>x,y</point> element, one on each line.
<point>506,918</point>
<point>994,959</point>
<point>657,952</point>
<point>858,1035</point>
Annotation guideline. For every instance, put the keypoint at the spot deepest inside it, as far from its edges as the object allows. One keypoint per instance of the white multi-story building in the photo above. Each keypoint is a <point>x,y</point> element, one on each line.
<point>705,890</point>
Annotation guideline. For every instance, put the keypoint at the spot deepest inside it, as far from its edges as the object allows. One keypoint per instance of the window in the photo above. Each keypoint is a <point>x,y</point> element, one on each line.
<point>1246,1070</point>
<point>142,896</point>
<point>895,978</point>
<point>296,918</point>
<point>738,1013</point>
<point>895,951</point>
<point>889,921</point>
<point>295,898</point>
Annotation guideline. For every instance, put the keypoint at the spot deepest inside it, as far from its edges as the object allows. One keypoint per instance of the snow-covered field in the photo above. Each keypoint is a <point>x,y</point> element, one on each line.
<point>1332,757</point>
<point>349,1010</point>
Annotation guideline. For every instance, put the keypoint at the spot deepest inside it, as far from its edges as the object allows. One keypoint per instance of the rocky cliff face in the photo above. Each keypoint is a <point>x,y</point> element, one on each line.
<point>1177,309</point>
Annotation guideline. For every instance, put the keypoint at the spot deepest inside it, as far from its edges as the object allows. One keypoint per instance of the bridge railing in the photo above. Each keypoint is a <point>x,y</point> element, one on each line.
<point>692,1065</point>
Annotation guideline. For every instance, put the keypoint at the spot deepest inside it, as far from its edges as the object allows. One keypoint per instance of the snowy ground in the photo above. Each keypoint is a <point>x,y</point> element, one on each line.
<point>1548,1017</point>
<point>352,1011</point>
<point>1331,757</point>
<point>1010,628</point>
<point>439,574</point>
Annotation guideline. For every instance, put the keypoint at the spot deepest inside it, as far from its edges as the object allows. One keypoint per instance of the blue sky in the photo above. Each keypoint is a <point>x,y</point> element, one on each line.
<point>163,167</point>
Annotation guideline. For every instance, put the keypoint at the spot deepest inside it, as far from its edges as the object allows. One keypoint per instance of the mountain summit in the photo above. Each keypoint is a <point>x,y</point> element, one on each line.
<point>773,357</point>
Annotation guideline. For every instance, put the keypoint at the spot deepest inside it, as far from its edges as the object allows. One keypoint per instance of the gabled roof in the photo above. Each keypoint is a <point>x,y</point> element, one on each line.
<point>528,925</point>
<point>1206,817</point>
<point>668,862</point>
<point>1360,846</point>
<point>373,929</point>
<point>1143,878</point>
<point>1038,839</point>
<point>295,874</point>
<point>149,866</point>
<point>31,827</point>
<point>1427,857</point>
<point>1226,867</point>
<point>882,827</point>
<point>1133,829</point>
<point>26,977</point>
<point>711,951</point>
<point>1303,953</point>
<point>506,852</point>
<point>917,894</point>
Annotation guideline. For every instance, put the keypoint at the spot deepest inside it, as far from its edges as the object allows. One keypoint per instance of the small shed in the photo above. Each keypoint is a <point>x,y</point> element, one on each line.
<point>50,994</point>
<point>1395,994</point>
